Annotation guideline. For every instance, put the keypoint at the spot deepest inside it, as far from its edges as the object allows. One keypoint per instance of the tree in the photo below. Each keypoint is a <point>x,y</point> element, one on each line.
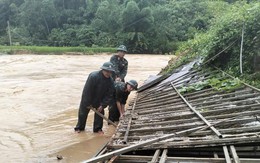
<point>107,17</point>
<point>8,12</point>
<point>135,23</point>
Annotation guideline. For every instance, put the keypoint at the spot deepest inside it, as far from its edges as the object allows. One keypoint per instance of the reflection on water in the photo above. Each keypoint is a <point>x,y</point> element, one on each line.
<point>39,99</point>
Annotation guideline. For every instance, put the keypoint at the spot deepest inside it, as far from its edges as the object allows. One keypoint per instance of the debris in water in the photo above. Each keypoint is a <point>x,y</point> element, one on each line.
<point>59,157</point>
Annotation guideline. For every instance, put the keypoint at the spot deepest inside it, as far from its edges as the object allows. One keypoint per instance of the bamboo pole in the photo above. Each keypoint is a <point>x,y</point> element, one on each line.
<point>206,143</point>
<point>211,160</point>
<point>164,128</point>
<point>174,116</point>
<point>207,93</point>
<point>227,157</point>
<point>238,98</point>
<point>186,115</point>
<point>159,100</point>
<point>245,91</point>
<point>172,94</point>
<point>170,122</point>
<point>196,144</point>
<point>152,94</point>
<point>231,131</point>
<point>113,159</point>
<point>235,107</point>
<point>234,154</point>
<point>241,50</point>
<point>164,156</point>
<point>135,146</point>
<point>129,123</point>
<point>156,156</point>
<point>134,158</point>
<point>165,112</point>
<point>225,104</point>
<point>9,33</point>
<point>232,134</point>
<point>127,131</point>
<point>104,117</point>
<point>198,114</point>
<point>231,114</point>
<point>175,106</point>
<point>167,102</point>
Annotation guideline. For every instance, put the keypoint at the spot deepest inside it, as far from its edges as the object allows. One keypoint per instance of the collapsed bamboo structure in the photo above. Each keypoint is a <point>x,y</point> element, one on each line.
<point>230,121</point>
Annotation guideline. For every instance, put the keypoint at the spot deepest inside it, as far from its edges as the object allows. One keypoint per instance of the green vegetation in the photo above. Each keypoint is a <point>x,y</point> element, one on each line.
<point>226,29</point>
<point>215,83</point>
<point>144,26</point>
<point>220,45</point>
<point>252,79</point>
<point>53,50</point>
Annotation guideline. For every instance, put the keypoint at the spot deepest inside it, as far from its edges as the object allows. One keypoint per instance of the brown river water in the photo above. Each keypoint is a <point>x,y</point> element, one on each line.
<point>39,99</point>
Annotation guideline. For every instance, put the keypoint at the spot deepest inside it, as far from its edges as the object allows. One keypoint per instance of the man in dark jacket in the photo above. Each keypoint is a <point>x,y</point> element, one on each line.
<point>120,63</point>
<point>122,90</point>
<point>97,93</point>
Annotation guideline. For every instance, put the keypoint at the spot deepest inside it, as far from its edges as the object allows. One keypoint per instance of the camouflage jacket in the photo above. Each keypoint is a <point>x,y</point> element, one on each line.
<point>121,66</point>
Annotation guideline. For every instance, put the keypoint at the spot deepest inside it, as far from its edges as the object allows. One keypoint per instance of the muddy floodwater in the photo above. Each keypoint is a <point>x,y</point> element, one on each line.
<point>39,99</point>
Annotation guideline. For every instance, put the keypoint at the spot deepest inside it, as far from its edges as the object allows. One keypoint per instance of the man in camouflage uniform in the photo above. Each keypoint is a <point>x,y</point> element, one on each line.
<point>122,90</point>
<point>120,63</point>
<point>97,93</point>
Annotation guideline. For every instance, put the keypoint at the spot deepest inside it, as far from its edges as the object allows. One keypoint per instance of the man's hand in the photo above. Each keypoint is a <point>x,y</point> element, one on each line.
<point>100,109</point>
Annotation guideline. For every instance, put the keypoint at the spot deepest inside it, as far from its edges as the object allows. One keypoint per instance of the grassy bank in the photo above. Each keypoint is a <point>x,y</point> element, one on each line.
<point>52,50</point>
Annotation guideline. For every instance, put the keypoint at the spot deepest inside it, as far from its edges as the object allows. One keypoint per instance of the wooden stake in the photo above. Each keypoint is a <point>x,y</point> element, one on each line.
<point>101,115</point>
<point>9,33</point>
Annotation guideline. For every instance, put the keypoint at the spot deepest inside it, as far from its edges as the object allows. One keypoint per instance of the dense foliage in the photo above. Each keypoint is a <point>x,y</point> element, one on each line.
<point>144,26</point>
<point>221,44</point>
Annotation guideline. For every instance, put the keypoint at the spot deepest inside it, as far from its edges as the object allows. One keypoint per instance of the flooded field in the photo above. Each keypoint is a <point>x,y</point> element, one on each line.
<point>39,100</point>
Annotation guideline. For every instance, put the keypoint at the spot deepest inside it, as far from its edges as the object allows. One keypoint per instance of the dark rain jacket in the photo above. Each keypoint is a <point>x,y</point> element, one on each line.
<point>121,66</point>
<point>120,94</point>
<point>98,90</point>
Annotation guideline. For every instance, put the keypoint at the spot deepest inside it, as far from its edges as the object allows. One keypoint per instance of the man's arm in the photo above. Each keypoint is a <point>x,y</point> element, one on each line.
<point>114,61</point>
<point>120,100</point>
<point>120,109</point>
<point>124,71</point>
<point>87,94</point>
<point>108,95</point>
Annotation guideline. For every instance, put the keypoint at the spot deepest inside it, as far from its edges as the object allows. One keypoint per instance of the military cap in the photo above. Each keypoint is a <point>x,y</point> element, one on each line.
<point>122,48</point>
<point>108,66</point>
